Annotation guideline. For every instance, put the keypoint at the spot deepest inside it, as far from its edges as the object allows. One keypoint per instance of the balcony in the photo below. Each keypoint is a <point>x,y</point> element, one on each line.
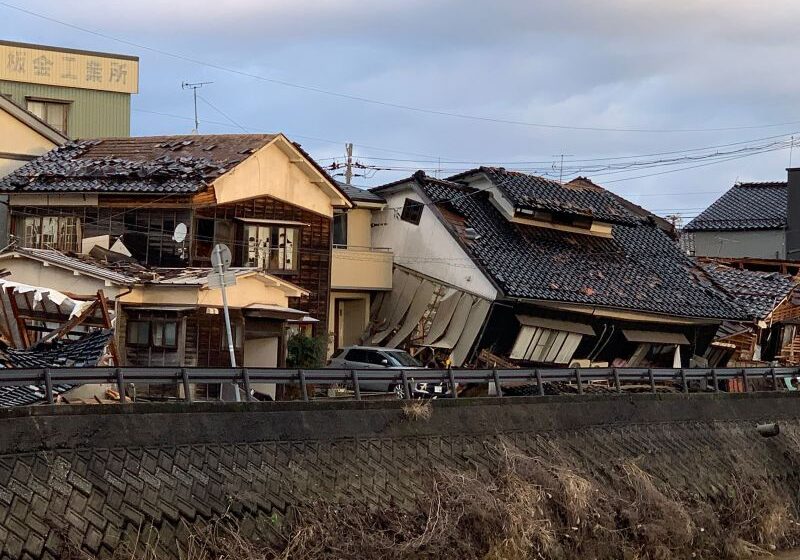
<point>361,268</point>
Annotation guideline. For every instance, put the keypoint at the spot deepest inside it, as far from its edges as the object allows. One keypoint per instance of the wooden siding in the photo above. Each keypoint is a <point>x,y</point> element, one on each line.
<point>92,114</point>
<point>314,253</point>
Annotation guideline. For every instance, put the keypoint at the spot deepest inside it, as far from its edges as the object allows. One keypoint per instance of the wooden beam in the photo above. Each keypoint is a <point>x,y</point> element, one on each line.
<point>112,343</point>
<point>23,330</point>
<point>71,324</point>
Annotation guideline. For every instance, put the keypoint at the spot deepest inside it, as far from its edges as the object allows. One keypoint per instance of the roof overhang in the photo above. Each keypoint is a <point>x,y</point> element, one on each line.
<point>622,314</point>
<point>90,271</point>
<point>315,173</point>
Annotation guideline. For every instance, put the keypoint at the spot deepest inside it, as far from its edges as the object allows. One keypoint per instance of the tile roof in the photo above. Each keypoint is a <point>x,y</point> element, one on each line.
<point>358,194</point>
<point>148,164</point>
<point>84,352</point>
<point>577,198</point>
<point>758,292</point>
<point>745,206</point>
<point>125,273</point>
<point>639,269</point>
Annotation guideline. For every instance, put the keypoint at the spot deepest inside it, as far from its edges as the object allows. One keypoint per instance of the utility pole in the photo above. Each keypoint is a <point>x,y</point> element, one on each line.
<point>194,87</point>
<point>348,172</point>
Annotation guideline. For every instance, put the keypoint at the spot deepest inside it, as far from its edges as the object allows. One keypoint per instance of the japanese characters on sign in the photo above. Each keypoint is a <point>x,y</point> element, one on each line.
<point>20,63</point>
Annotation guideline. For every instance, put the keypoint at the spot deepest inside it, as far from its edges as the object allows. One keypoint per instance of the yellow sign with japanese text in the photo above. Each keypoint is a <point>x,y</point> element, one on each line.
<point>35,64</point>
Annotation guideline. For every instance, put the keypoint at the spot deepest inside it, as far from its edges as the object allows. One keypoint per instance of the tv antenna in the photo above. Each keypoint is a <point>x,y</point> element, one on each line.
<point>194,87</point>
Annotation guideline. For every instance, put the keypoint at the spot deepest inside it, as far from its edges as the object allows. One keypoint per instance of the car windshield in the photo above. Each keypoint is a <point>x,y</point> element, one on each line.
<point>403,359</point>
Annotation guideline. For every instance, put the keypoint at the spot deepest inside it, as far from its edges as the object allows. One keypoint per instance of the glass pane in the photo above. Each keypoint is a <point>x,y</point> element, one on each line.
<point>49,232</point>
<point>291,249</point>
<point>37,108</point>
<point>275,247</point>
<point>158,334</point>
<point>57,116</point>
<point>171,334</point>
<point>340,229</point>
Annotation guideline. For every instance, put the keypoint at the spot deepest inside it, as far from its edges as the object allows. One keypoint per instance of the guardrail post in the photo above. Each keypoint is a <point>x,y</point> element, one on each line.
<point>356,388</point>
<point>187,388</point>
<point>774,379</point>
<point>452,377</point>
<point>121,386</point>
<point>579,380</point>
<point>406,386</point>
<point>684,385</point>
<point>497,385</point>
<point>714,379</point>
<point>539,382</point>
<point>246,381</point>
<point>48,385</point>
<point>744,380</point>
<point>616,380</point>
<point>652,380</point>
<point>303,390</point>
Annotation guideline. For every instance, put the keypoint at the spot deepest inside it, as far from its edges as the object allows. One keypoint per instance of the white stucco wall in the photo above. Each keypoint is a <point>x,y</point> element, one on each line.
<point>428,248</point>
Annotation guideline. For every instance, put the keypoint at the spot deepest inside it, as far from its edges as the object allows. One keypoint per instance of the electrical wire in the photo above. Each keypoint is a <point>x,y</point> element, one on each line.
<point>381,103</point>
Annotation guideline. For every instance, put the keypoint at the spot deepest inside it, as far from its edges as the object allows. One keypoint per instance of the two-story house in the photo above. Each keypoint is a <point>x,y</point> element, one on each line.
<point>165,202</point>
<point>361,269</point>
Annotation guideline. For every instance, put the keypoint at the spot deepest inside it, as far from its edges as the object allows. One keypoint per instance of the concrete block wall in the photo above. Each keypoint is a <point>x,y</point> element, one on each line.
<point>97,476</point>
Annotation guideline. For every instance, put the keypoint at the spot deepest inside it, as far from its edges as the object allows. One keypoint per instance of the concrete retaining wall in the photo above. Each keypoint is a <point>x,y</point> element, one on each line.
<point>98,475</point>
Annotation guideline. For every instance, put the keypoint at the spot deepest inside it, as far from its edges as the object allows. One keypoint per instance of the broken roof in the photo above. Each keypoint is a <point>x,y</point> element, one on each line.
<point>579,198</point>
<point>745,206</point>
<point>758,292</point>
<point>87,351</point>
<point>639,268</point>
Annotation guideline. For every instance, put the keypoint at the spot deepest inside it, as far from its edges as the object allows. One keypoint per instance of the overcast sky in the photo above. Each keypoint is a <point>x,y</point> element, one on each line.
<point>615,64</point>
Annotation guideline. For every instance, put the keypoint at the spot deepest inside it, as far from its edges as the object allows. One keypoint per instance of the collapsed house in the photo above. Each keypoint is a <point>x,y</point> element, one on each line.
<point>43,328</point>
<point>508,269</point>
<point>771,334</point>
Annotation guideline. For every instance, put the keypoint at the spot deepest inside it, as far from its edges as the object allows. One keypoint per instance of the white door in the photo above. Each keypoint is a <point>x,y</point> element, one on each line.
<point>262,352</point>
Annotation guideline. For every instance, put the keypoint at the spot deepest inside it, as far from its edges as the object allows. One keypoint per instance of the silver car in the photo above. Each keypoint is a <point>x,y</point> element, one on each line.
<point>375,357</point>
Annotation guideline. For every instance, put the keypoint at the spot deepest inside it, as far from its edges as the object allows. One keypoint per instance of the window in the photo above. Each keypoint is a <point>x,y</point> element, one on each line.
<point>412,211</point>
<point>340,229</point>
<point>357,355</point>
<point>165,335</point>
<point>376,358</point>
<point>155,334</point>
<point>272,248</point>
<point>536,344</point>
<point>52,232</point>
<point>236,331</point>
<point>403,359</point>
<point>138,333</point>
<point>52,112</point>
<point>204,238</point>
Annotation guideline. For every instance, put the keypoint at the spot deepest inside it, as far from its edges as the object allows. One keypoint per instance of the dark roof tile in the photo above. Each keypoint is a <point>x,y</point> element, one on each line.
<point>758,292</point>
<point>746,206</point>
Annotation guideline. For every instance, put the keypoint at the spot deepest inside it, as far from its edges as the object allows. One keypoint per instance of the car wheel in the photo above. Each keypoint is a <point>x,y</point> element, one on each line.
<point>398,391</point>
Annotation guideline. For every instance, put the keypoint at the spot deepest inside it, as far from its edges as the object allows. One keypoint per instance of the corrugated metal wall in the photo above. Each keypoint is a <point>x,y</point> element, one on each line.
<point>92,114</point>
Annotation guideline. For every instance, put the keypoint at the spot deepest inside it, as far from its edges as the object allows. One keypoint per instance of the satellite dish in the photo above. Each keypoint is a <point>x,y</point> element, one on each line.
<point>180,233</point>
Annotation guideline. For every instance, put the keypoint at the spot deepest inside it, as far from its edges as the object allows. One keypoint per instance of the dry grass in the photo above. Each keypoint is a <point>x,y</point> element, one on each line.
<point>418,410</point>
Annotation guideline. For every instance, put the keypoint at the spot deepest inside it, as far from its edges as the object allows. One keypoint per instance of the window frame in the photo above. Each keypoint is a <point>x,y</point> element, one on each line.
<point>36,238</point>
<point>262,256</point>
<point>412,211</point>
<point>128,326</point>
<point>341,217</point>
<point>46,103</point>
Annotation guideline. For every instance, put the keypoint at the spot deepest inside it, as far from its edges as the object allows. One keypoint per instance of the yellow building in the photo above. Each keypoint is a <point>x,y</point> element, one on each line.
<point>23,136</point>
<point>360,269</point>
<point>82,94</point>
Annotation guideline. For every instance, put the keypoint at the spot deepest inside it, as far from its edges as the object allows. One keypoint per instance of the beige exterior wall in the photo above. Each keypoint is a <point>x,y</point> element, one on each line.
<point>354,269</point>
<point>353,317</point>
<point>270,172</point>
<point>35,273</point>
<point>247,291</point>
<point>19,139</point>
<point>359,230</point>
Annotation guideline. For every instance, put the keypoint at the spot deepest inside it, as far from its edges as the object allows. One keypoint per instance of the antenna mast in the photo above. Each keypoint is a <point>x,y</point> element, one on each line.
<point>194,87</point>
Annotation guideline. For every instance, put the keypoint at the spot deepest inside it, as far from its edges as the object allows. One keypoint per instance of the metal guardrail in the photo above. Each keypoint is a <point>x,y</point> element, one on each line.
<point>615,379</point>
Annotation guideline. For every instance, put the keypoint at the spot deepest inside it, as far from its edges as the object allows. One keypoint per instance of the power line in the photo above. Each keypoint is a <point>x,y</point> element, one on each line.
<point>388,104</point>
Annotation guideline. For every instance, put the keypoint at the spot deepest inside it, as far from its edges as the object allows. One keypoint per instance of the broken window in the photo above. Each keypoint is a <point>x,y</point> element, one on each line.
<point>52,232</point>
<point>204,239</point>
<point>412,211</point>
<point>272,248</point>
<point>537,344</point>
